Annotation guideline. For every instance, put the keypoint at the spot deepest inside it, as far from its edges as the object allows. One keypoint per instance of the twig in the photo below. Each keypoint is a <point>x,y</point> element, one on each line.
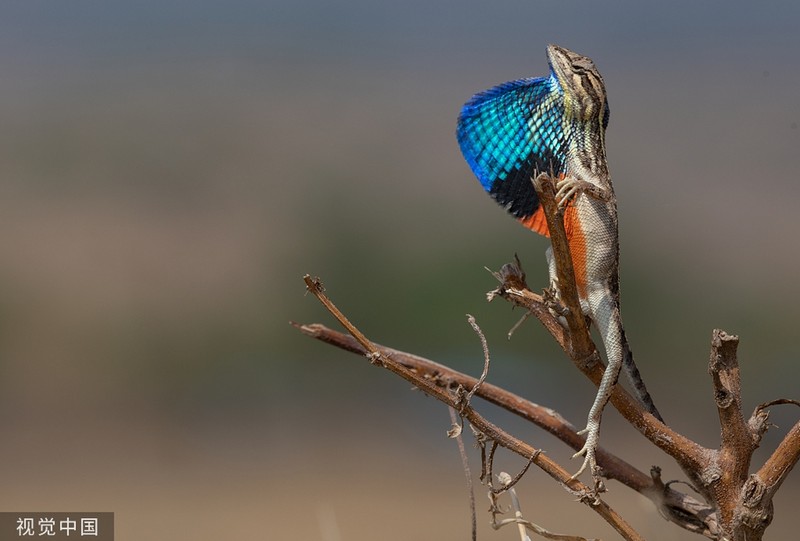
<point>485,346</point>
<point>507,483</point>
<point>487,466</point>
<point>513,288</point>
<point>519,323</point>
<point>778,402</point>
<point>467,473</point>
<point>786,455</point>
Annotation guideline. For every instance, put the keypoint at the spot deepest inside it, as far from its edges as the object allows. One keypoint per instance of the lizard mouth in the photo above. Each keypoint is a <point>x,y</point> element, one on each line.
<point>558,58</point>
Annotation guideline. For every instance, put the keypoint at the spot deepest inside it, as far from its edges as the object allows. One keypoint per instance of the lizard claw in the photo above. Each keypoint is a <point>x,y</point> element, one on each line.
<point>553,302</point>
<point>588,450</point>
<point>568,188</point>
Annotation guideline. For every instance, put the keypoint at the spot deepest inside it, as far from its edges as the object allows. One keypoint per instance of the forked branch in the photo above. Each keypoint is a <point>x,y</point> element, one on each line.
<point>553,469</point>
<point>675,506</point>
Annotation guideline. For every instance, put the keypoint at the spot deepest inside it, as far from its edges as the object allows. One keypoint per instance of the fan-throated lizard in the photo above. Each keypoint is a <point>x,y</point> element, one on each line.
<point>512,133</point>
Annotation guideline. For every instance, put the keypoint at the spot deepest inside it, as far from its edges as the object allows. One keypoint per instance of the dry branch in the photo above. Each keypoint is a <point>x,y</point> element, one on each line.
<point>675,506</point>
<point>584,493</point>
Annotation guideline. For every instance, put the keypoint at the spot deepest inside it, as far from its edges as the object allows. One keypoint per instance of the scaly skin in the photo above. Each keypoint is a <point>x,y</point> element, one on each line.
<point>511,133</point>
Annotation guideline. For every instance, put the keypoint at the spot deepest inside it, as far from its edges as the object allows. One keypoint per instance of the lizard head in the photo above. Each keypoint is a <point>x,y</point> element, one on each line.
<point>583,87</point>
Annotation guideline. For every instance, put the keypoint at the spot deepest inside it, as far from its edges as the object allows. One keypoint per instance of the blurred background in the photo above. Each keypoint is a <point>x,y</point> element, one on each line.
<point>170,170</point>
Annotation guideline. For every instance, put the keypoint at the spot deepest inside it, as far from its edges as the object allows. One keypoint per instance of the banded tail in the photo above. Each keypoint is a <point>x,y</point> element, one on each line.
<point>636,381</point>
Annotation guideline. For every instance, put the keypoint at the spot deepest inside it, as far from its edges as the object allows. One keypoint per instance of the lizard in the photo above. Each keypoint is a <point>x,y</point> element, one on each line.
<point>510,134</point>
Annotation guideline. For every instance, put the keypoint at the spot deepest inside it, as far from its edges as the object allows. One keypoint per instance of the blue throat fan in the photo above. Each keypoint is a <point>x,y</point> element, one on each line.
<point>511,133</point>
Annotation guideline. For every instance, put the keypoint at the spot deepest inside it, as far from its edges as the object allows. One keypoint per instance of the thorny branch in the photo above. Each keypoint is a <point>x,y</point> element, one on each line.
<point>738,505</point>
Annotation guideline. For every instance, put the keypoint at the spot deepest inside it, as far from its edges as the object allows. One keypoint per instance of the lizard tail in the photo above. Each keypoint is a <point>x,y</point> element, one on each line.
<point>636,379</point>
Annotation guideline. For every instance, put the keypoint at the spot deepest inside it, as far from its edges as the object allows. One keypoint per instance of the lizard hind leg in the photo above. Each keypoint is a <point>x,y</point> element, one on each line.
<point>592,430</point>
<point>552,295</point>
<point>606,316</point>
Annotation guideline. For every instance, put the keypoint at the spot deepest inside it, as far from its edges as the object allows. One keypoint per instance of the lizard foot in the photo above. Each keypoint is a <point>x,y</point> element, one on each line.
<point>588,450</point>
<point>569,187</point>
<point>553,302</point>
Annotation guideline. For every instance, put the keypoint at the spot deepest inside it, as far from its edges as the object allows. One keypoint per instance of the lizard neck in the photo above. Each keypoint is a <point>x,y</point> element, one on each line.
<point>587,154</point>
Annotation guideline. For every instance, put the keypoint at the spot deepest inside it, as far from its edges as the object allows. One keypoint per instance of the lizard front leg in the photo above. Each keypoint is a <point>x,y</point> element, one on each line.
<point>570,186</point>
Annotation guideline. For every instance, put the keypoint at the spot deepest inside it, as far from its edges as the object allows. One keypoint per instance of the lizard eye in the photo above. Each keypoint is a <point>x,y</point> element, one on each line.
<point>583,65</point>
